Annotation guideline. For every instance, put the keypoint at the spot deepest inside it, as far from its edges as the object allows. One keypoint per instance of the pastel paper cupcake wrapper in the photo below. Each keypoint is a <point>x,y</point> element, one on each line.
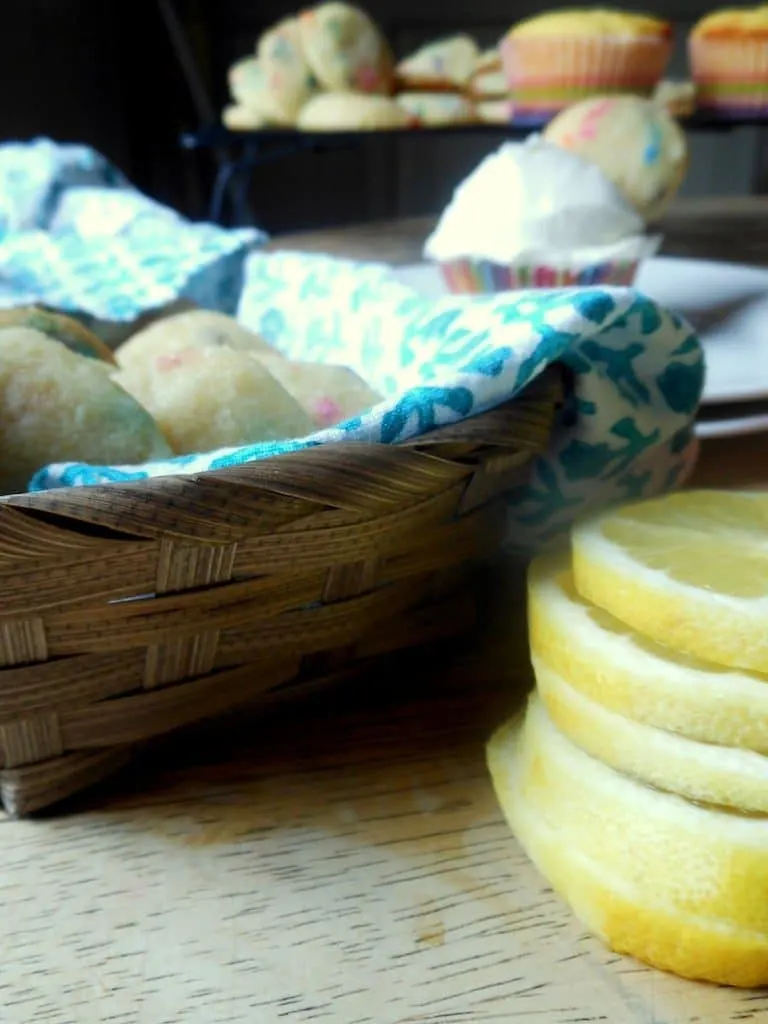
<point>731,76</point>
<point>464,277</point>
<point>545,75</point>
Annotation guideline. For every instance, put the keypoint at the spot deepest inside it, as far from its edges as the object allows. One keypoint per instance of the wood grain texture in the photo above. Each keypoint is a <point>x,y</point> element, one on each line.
<point>340,861</point>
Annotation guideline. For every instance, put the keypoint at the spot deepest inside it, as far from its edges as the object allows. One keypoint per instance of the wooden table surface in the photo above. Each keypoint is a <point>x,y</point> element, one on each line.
<point>343,860</point>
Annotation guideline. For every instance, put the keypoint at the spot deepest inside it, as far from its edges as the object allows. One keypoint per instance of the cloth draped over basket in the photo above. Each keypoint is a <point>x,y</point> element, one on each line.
<point>76,236</point>
<point>636,375</point>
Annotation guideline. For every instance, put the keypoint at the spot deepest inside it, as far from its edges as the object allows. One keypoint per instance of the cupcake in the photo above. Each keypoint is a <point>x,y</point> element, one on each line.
<point>533,215</point>
<point>634,142</point>
<point>729,62</point>
<point>555,59</point>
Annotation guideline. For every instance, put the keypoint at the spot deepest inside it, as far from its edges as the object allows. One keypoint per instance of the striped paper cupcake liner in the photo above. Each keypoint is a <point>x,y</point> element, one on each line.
<point>482,276</point>
<point>549,73</point>
<point>731,76</point>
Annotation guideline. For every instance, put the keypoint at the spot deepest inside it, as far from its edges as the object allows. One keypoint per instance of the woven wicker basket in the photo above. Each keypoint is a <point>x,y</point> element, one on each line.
<point>131,610</point>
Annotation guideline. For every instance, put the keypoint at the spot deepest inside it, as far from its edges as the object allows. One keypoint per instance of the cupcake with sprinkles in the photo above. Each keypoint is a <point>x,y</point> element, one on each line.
<point>560,57</point>
<point>729,61</point>
<point>536,215</point>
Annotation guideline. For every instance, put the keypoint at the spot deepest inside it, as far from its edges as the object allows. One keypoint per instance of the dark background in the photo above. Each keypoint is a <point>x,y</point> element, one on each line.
<point>105,73</point>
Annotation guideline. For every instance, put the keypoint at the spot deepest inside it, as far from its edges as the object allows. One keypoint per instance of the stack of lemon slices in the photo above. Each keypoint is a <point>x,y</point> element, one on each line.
<point>637,780</point>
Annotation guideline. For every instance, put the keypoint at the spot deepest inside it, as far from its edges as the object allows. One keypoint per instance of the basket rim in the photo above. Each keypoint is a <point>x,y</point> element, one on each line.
<point>545,389</point>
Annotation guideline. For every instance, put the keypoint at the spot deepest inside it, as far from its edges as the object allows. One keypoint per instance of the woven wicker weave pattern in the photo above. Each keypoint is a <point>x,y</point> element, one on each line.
<point>131,610</point>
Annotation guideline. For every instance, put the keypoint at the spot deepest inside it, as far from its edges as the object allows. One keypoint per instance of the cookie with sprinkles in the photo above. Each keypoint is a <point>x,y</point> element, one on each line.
<point>353,112</point>
<point>328,394</point>
<point>489,85</point>
<point>633,140</point>
<point>286,71</point>
<point>242,119</point>
<point>434,109</point>
<point>494,111</point>
<point>442,64</point>
<point>56,406</point>
<point>251,90</point>
<point>345,49</point>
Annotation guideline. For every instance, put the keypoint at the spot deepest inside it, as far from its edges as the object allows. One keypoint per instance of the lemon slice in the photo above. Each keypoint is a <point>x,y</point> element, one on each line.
<point>619,668</point>
<point>689,570</point>
<point>679,886</point>
<point>683,945</point>
<point>699,771</point>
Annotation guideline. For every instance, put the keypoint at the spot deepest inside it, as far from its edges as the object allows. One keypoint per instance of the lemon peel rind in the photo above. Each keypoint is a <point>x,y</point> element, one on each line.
<point>701,701</point>
<point>719,628</point>
<point>692,860</point>
<point>687,946</point>
<point>698,771</point>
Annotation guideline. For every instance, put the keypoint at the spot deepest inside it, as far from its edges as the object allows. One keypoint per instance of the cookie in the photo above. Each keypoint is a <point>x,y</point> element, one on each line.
<point>328,394</point>
<point>437,108</point>
<point>488,60</point>
<point>494,111</point>
<point>209,398</point>
<point>442,64</point>
<point>65,329</point>
<point>677,98</point>
<point>285,69</point>
<point>350,112</point>
<point>635,143</point>
<point>345,49</point>
<point>241,119</point>
<point>488,85</point>
<point>196,328</point>
<point>250,88</point>
<point>56,406</point>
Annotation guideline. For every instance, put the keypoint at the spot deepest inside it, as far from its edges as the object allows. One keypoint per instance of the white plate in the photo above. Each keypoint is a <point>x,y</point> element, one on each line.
<point>738,426</point>
<point>727,303</point>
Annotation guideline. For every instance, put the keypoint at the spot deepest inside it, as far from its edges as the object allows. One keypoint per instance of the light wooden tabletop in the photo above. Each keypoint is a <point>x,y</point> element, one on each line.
<point>342,860</point>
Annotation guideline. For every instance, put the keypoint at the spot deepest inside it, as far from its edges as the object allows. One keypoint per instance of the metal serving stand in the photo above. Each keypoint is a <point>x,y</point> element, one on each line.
<point>241,154</point>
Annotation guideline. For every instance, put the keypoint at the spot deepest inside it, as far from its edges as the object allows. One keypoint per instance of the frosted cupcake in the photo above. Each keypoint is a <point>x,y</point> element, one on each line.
<point>533,215</point>
<point>729,62</point>
<point>555,59</point>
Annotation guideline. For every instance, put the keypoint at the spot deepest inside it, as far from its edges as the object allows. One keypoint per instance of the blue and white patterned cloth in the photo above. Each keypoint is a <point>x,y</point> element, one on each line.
<point>76,236</point>
<point>626,431</point>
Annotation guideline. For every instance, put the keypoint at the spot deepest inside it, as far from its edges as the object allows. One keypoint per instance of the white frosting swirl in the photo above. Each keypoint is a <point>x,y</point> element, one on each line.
<point>531,202</point>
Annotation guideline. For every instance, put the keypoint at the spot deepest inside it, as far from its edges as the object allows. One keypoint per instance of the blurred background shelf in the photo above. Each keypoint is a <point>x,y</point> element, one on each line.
<point>121,87</point>
<point>241,154</point>
<point>218,134</point>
